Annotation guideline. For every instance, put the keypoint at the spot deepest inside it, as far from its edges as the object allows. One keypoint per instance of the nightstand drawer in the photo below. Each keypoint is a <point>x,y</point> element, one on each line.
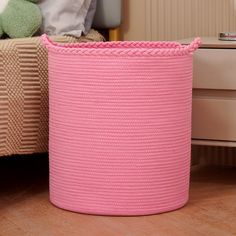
<point>214,119</point>
<point>215,69</point>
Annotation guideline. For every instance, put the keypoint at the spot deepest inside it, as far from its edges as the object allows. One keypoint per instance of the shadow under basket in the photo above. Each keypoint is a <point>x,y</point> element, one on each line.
<point>120,126</point>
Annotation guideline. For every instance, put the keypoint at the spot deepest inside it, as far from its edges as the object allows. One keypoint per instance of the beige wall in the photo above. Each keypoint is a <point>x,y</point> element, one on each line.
<point>176,19</point>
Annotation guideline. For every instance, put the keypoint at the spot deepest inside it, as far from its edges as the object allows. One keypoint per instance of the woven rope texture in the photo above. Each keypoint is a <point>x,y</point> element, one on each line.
<point>120,126</point>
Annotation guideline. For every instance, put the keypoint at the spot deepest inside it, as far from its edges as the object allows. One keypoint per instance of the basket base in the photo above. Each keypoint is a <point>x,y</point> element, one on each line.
<point>142,212</point>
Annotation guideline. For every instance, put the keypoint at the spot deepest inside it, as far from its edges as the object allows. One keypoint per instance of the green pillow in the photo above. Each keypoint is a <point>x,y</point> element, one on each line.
<point>19,18</point>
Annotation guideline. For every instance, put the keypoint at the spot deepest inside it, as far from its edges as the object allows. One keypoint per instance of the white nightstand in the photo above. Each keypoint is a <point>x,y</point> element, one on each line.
<point>214,93</point>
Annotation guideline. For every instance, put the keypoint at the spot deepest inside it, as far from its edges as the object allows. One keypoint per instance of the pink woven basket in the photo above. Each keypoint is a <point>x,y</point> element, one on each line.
<point>120,126</point>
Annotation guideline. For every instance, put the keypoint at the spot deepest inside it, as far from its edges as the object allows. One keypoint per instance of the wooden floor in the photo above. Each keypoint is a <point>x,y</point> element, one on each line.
<point>25,209</point>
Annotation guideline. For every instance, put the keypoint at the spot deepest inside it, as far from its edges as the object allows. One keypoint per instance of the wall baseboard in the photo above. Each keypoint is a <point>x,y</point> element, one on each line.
<point>213,155</point>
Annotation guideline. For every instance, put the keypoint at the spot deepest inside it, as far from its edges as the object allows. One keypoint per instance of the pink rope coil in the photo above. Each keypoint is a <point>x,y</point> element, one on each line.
<point>120,126</point>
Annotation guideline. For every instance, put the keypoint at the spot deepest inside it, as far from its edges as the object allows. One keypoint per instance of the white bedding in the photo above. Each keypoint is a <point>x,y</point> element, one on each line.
<point>67,17</point>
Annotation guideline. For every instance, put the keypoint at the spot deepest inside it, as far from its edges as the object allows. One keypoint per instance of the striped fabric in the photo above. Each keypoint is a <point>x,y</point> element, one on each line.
<point>24,94</point>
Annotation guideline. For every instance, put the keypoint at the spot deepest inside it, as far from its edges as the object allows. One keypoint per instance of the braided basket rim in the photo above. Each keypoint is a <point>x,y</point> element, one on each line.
<point>122,48</point>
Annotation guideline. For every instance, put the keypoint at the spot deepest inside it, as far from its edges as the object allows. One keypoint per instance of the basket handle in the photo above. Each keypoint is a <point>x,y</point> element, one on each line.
<point>46,41</point>
<point>49,44</point>
<point>196,43</point>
